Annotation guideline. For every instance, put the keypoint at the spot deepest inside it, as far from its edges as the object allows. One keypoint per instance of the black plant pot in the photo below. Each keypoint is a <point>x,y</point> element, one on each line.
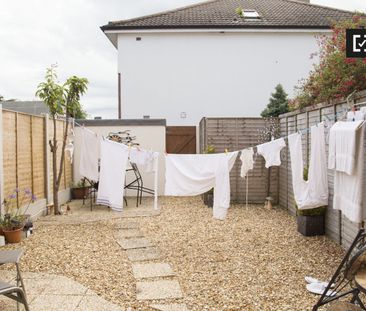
<point>311,225</point>
<point>208,199</point>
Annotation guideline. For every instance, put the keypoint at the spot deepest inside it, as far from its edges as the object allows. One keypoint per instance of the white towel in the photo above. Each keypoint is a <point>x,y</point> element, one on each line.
<point>194,174</point>
<point>143,159</point>
<point>314,192</point>
<point>348,188</point>
<point>247,161</point>
<point>342,146</point>
<point>271,152</point>
<point>355,115</point>
<point>89,155</point>
<point>113,163</point>
<point>147,161</point>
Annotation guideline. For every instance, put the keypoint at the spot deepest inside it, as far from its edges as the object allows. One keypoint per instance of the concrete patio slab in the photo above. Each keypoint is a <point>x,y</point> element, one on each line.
<point>151,270</point>
<point>170,307</point>
<point>127,225</point>
<point>128,233</point>
<point>55,302</point>
<point>54,292</point>
<point>64,286</point>
<point>143,254</point>
<point>96,303</point>
<point>162,289</point>
<point>134,243</point>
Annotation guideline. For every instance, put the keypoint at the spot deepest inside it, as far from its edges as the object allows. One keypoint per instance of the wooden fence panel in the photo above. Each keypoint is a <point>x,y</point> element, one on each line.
<point>237,134</point>
<point>38,157</point>
<point>338,227</point>
<point>24,155</point>
<point>9,152</point>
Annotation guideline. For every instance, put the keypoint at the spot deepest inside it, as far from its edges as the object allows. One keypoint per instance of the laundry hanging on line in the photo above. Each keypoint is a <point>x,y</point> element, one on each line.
<point>89,154</point>
<point>113,164</point>
<point>247,161</point>
<point>271,152</point>
<point>194,174</point>
<point>313,192</point>
<point>346,157</point>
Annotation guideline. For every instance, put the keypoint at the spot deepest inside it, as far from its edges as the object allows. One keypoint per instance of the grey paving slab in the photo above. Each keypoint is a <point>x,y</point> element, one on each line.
<point>127,225</point>
<point>151,270</point>
<point>64,286</point>
<point>128,233</point>
<point>143,254</point>
<point>96,303</point>
<point>134,243</point>
<point>55,302</point>
<point>162,289</point>
<point>170,307</point>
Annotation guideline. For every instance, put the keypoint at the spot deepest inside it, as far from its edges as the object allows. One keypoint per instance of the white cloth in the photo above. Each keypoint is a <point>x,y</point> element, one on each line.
<point>355,115</point>
<point>194,174</point>
<point>89,154</point>
<point>247,161</point>
<point>313,192</point>
<point>342,146</point>
<point>271,152</point>
<point>147,161</point>
<point>348,187</point>
<point>143,159</point>
<point>113,163</point>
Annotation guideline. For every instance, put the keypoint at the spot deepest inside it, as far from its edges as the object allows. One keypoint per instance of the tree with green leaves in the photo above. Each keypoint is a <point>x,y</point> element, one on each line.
<point>278,103</point>
<point>62,100</point>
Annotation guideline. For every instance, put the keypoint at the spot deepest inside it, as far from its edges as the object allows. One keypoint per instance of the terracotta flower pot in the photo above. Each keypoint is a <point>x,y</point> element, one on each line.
<point>13,236</point>
<point>79,193</point>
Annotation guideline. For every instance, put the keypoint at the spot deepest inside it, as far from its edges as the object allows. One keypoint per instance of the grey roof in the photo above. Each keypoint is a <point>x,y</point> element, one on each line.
<point>221,14</point>
<point>122,122</point>
<point>34,107</point>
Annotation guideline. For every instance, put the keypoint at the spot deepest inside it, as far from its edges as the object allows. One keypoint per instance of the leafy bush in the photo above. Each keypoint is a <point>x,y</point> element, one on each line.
<point>335,76</point>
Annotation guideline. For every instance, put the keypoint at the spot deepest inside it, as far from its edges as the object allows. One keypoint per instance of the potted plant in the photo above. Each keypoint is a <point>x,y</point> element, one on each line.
<point>15,215</point>
<point>80,190</point>
<point>208,197</point>
<point>311,222</point>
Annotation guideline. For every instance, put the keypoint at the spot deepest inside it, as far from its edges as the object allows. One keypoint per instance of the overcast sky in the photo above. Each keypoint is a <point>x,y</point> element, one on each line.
<point>37,33</point>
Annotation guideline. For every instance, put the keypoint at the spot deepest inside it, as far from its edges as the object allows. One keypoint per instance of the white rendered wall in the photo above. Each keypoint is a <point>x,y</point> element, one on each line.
<point>208,74</point>
<point>149,138</point>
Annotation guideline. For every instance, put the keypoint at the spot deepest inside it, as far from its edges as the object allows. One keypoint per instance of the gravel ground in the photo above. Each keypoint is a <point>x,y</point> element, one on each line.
<point>254,260</point>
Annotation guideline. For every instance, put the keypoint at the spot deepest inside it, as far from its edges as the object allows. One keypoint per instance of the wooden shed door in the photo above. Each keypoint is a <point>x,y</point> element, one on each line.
<point>181,139</point>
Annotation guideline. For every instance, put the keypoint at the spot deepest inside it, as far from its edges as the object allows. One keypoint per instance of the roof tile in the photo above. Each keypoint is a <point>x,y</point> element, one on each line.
<point>221,14</point>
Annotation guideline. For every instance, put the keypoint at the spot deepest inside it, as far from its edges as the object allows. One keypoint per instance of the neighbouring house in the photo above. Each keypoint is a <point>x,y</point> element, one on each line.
<point>35,107</point>
<point>207,60</point>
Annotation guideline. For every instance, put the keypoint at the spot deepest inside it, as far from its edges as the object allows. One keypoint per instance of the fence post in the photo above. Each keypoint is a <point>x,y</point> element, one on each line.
<point>1,163</point>
<point>47,159</point>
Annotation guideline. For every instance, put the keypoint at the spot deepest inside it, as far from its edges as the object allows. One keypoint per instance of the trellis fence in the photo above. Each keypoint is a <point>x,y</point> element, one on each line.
<point>26,160</point>
<point>338,228</point>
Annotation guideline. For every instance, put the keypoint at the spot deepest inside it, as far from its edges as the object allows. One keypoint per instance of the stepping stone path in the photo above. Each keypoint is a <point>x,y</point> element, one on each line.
<point>134,243</point>
<point>155,281</point>
<point>151,270</point>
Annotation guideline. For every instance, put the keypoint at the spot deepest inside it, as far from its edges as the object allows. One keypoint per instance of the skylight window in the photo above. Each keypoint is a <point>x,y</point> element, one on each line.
<point>250,14</point>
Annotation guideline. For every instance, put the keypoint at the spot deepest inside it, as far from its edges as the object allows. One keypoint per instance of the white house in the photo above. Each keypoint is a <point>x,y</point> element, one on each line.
<point>206,60</point>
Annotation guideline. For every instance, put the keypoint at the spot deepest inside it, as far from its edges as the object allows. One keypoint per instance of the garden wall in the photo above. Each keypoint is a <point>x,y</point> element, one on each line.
<point>237,134</point>
<point>150,134</point>
<point>26,160</point>
<point>338,227</point>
